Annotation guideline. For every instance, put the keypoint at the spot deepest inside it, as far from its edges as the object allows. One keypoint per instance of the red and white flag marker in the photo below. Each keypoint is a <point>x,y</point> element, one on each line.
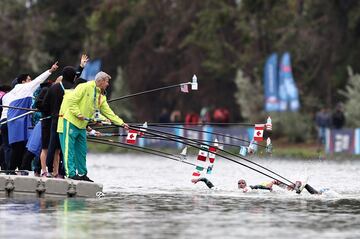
<point>259,132</point>
<point>131,136</point>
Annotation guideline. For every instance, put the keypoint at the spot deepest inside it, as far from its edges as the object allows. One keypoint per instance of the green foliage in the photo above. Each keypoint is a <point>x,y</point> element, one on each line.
<point>249,97</point>
<point>296,126</point>
<point>157,43</point>
<point>208,33</point>
<point>120,88</point>
<point>352,95</point>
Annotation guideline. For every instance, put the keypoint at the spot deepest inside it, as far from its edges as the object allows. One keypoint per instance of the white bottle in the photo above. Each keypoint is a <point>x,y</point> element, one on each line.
<point>194,84</point>
<point>268,124</point>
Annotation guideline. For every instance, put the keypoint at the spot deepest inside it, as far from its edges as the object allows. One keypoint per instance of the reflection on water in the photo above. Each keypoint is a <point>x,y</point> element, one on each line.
<point>179,216</point>
<point>161,204</point>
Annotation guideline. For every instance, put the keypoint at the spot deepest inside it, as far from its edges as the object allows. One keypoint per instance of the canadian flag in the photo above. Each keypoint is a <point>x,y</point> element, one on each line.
<point>131,137</point>
<point>259,132</point>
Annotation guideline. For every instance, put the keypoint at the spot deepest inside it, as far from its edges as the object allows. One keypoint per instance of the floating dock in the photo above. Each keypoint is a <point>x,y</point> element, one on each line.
<point>15,185</point>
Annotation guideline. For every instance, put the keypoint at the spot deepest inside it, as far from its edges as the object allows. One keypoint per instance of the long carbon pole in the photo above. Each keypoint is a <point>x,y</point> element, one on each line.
<point>138,148</point>
<point>181,139</point>
<point>148,91</point>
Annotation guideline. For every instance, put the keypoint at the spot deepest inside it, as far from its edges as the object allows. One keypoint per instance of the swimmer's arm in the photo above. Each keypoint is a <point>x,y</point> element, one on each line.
<point>205,180</point>
<point>311,190</point>
<point>261,187</point>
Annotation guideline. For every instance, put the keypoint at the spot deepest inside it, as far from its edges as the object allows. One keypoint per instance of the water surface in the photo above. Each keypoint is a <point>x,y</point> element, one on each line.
<point>151,197</point>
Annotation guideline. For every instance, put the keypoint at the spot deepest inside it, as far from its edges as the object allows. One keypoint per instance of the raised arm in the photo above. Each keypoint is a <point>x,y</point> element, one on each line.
<point>41,78</point>
<point>205,180</point>
<point>83,61</point>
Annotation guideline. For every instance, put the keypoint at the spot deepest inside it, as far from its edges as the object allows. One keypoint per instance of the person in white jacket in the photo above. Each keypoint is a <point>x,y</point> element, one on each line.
<point>20,96</point>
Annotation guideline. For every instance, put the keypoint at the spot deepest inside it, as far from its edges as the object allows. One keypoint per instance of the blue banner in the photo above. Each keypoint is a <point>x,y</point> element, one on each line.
<point>288,91</point>
<point>271,84</point>
<point>91,69</point>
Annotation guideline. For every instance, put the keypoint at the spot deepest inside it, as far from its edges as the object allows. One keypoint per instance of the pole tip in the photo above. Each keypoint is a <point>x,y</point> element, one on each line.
<point>194,84</point>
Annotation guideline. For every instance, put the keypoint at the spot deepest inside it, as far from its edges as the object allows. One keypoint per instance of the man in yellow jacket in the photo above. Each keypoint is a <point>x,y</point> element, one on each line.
<point>86,102</point>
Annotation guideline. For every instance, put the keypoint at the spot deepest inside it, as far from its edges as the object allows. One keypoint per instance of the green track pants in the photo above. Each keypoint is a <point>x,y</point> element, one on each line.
<point>73,146</point>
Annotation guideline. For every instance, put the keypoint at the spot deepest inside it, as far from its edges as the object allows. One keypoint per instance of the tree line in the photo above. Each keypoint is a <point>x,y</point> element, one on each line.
<point>162,42</point>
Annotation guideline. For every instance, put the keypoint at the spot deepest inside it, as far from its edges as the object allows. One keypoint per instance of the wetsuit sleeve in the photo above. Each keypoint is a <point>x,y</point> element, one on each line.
<point>108,113</point>
<point>260,187</point>
<point>207,182</point>
<point>311,190</point>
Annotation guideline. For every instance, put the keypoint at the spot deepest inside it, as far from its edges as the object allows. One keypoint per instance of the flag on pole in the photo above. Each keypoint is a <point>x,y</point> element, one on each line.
<point>202,155</point>
<point>212,151</point>
<point>211,154</point>
<point>201,162</point>
<point>259,132</point>
<point>199,168</point>
<point>131,137</point>
<point>184,88</point>
<point>197,171</point>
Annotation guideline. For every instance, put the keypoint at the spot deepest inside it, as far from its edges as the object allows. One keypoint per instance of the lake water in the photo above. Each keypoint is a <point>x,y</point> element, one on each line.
<point>152,197</point>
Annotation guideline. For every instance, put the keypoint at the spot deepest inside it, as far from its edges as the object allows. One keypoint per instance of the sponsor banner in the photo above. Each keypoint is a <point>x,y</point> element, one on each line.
<point>271,83</point>
<point>340,141</point>
<point>287,85</point>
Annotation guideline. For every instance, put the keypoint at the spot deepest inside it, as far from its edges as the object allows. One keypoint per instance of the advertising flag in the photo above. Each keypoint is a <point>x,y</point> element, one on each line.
<point>271,84</point>
<point>289,91</point>
<point>91,69</point>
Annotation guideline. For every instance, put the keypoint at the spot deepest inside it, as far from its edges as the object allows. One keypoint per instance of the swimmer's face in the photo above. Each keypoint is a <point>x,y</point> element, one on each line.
<point>241,183</point>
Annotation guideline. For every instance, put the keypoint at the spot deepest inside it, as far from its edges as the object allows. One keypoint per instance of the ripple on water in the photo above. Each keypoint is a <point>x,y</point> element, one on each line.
<point>149,197</point>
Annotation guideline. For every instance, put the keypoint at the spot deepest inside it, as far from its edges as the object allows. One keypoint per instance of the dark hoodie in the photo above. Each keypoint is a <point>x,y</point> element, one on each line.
<point>55,94</point>
<point>40,98</point>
